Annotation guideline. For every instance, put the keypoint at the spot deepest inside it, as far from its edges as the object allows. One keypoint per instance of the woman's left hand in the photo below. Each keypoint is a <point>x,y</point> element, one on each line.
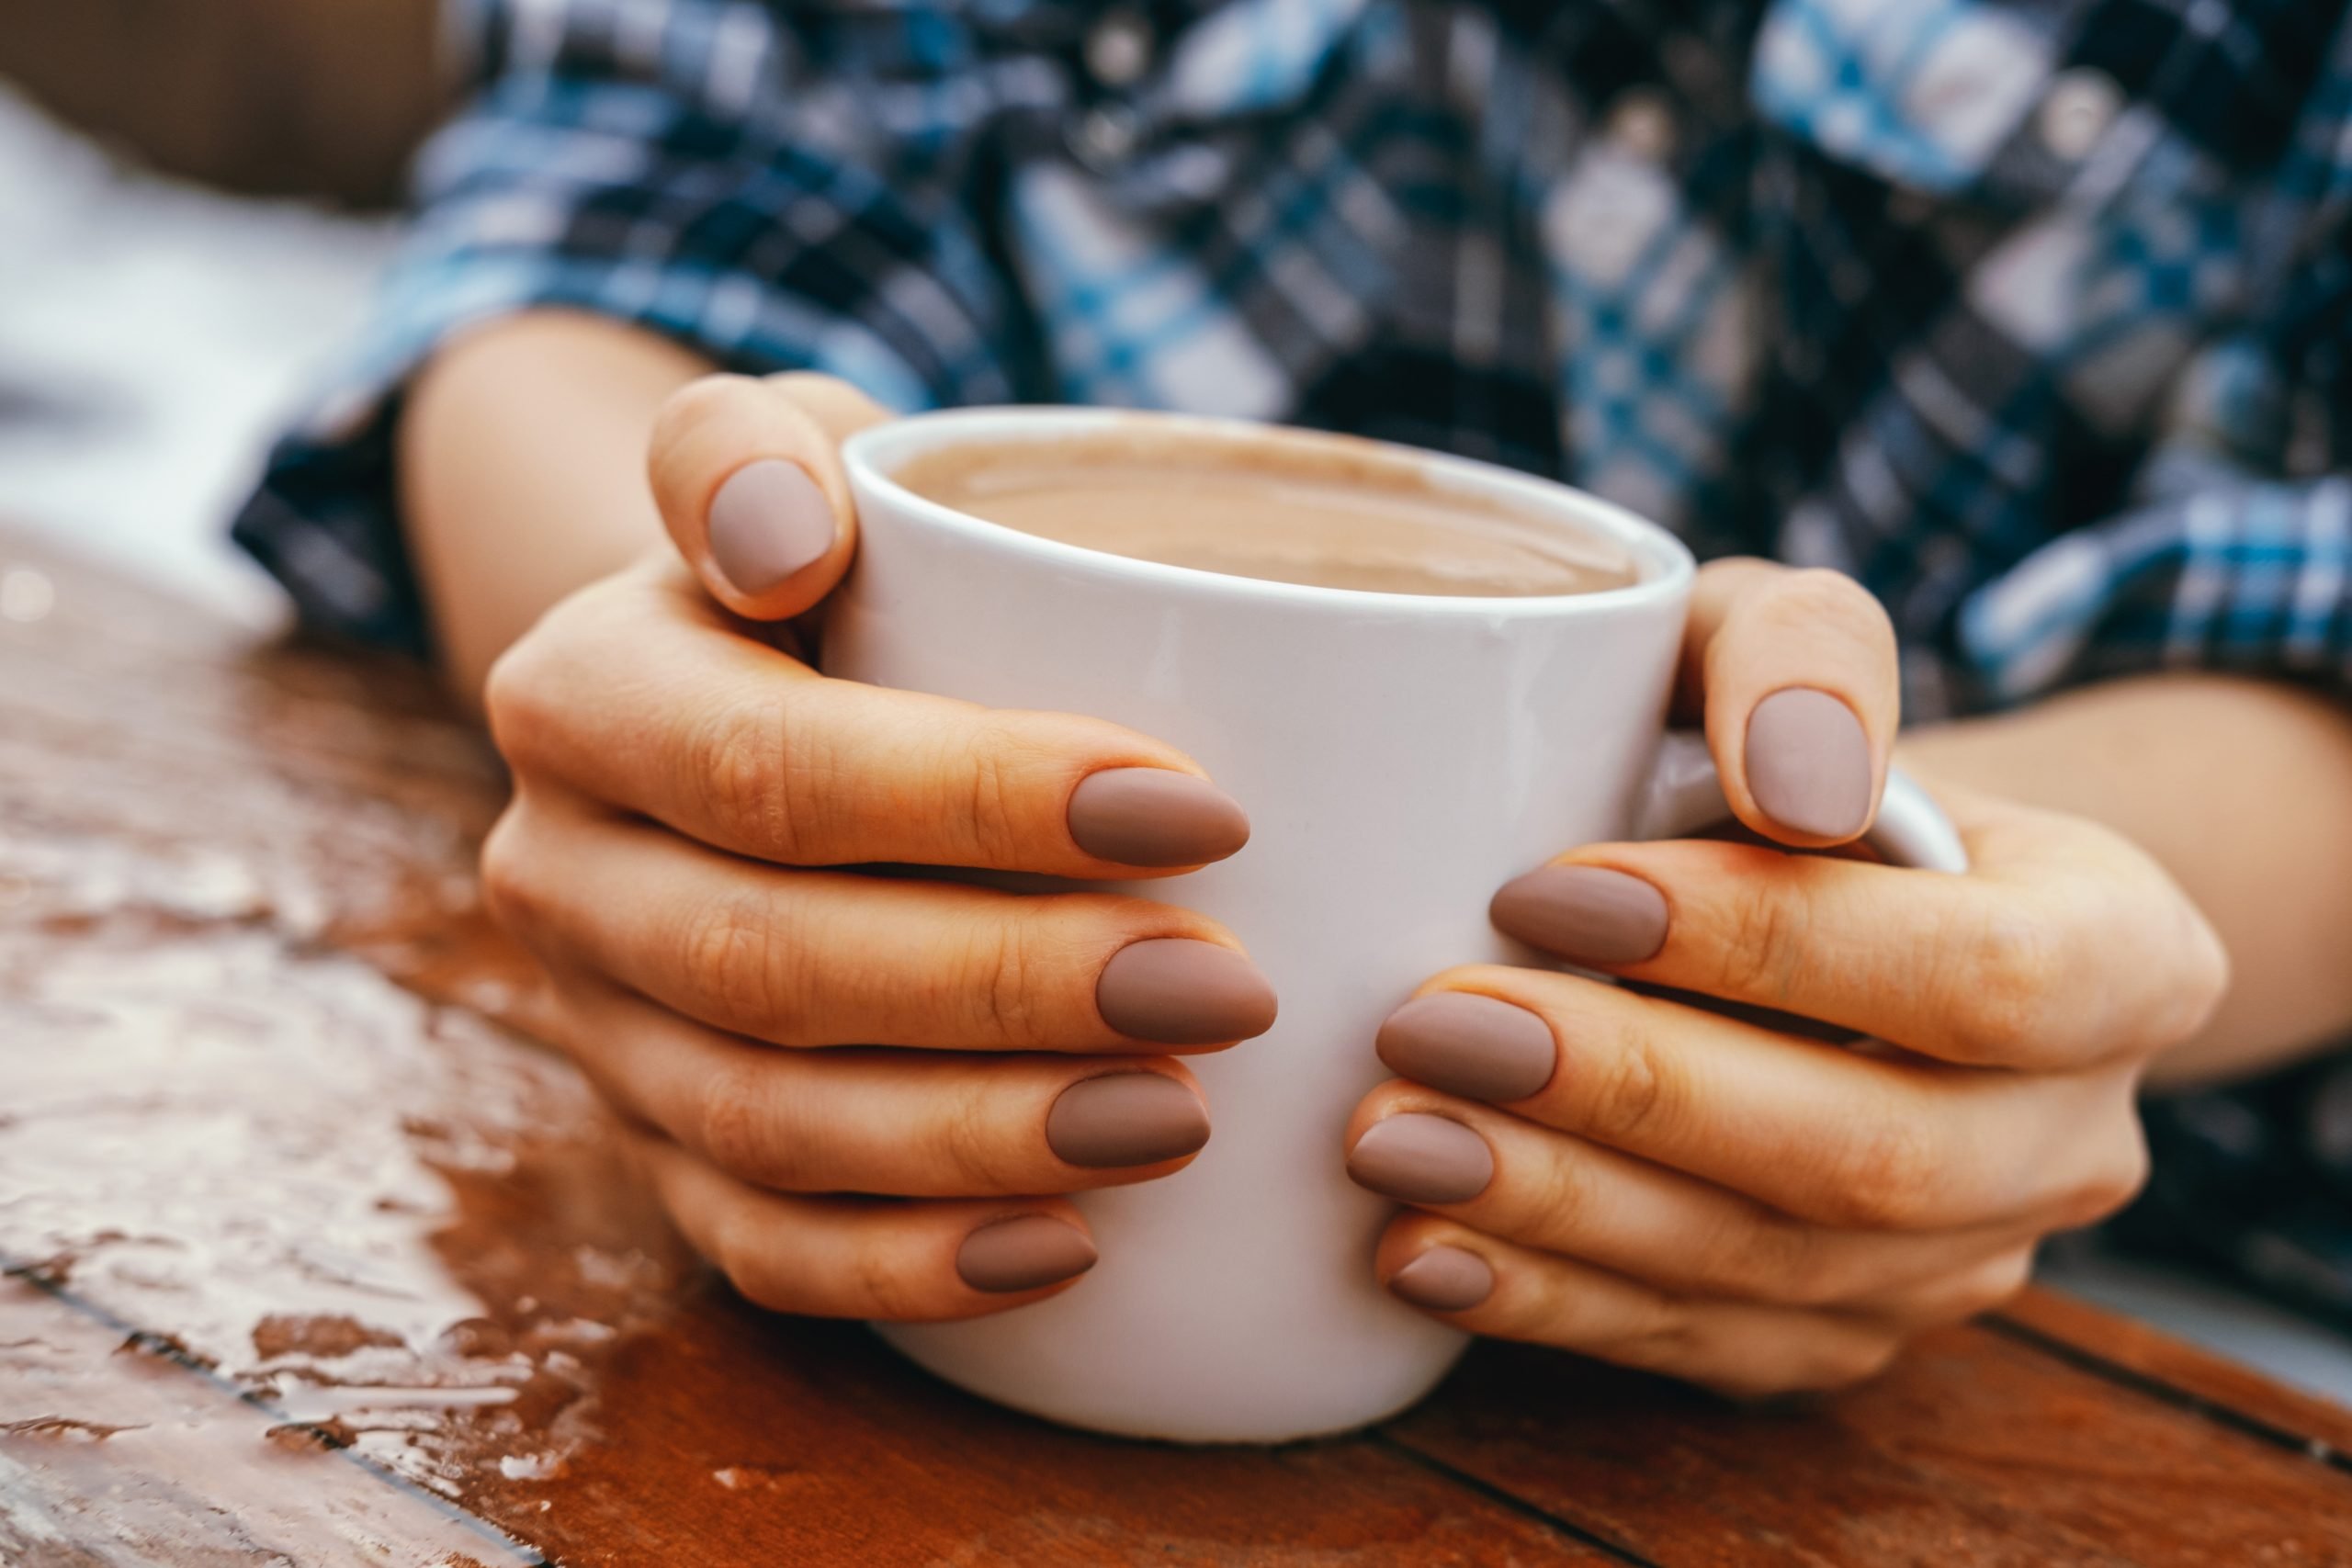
<point>1715,1193</point>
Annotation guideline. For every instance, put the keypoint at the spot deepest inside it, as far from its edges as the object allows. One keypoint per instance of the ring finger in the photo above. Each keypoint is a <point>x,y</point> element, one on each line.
<point>867,1257</point>
<point>914,1124</point>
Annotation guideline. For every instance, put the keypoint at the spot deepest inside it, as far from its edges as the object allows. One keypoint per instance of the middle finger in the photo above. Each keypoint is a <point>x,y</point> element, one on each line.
<point>945,1124</point>
<point>836,958</point>
<point>1825,1134</point>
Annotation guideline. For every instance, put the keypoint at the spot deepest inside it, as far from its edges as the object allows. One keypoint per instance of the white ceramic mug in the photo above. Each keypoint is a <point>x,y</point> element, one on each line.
<point>1401,758</point>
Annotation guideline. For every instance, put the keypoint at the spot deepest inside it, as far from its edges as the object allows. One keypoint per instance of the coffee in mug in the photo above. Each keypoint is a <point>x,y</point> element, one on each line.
<point>1327,516</point>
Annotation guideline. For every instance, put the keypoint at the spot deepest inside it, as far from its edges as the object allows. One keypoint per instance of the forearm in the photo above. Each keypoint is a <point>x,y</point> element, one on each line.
<point>522,470</point>
<point>2242,789</point>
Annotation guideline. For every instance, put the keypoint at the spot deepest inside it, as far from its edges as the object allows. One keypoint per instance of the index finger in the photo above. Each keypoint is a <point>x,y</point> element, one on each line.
<point>638,694</point>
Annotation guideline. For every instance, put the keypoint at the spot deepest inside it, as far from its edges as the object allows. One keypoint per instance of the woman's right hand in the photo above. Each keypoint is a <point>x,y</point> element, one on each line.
<point>860,1093</point>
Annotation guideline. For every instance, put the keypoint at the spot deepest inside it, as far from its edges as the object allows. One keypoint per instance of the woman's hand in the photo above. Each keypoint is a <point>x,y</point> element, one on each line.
<point>859,1094</point>
<point>1718,1192</point>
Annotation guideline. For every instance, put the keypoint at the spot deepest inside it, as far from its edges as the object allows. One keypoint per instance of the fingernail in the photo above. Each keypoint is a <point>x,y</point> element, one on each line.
<point>1154,817</point>
<point>1022,1253</point>
<point>768,521</point>
<point>1809,763</point>
<point>1420,1158</point>
<point>1126,1119</point>
<point>1473,1046</point>
<point>1444,1278</point>
<point>1181,992</point>
<point>1586,914</point>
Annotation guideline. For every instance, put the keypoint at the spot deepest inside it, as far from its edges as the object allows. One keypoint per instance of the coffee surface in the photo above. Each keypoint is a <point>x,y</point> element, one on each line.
<point>1329,513</point>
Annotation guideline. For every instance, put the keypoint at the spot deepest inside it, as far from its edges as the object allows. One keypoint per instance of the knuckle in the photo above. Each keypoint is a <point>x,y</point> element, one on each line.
<point>1006,977</point>
<point>2001,991</point>
<point>1762,1257</point>
<point>2200,978</point>
<point>733,954</point>
<point>1561,1195</point>
<point>739,1251</point>
<point>508,887</point>
<point>1766,945</point>
<point>883,1278</point>
<point>2112,1183</point>
<point>965,1146</point>
<point>989,812</point>
<point>1661,1332</point>
<point>735,760</point>
<point>507,696</point>
<point>1886,1176</point>
<point>1639,1093</point>
<point>735,1126</point>
<point>516,700</point>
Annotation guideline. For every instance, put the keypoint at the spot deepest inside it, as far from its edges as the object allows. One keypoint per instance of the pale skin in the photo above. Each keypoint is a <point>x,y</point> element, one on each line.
<point>1702,1196</point>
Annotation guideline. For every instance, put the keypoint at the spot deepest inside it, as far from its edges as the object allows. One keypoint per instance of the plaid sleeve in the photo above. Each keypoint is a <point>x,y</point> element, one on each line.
<point>2233,548</point>
<point>695,177</point>
<point>2240,574</point>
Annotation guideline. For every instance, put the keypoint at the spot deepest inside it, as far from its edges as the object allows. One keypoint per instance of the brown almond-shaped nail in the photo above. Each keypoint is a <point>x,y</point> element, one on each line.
<point>1178,991</point>
<point>769,520</point>
<point>1022,1254</point>
<point>1474,1046</point>
<point>1586,914</point>
<point>1809,763</point>
<point>1444,1278</point>
<point>1126,1119</point>
<point>1154,817</point>
<point>1418,1158</point>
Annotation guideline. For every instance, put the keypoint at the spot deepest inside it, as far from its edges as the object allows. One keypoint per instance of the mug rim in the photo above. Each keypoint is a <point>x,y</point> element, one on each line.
<point>872,456</point>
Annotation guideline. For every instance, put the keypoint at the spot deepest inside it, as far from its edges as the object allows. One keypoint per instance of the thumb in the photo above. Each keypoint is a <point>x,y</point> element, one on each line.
<point>749,478</point>
<point>1794,675</point>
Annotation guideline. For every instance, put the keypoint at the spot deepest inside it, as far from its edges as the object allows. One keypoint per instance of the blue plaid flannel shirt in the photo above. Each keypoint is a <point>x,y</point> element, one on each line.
<point>2034,317</point>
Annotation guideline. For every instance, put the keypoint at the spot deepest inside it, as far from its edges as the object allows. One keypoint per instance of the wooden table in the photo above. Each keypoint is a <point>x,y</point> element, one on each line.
<point>311,1261</point>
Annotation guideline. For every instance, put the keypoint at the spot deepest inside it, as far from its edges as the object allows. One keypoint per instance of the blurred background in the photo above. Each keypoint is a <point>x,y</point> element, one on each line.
<point>196,198</point>
<point>193,204</point>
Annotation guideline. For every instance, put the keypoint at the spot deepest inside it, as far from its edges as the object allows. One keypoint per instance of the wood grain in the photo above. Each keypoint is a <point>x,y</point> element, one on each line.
<point>2166,1369</point>
<point>1974,1450</point>
<point>286,1200</point>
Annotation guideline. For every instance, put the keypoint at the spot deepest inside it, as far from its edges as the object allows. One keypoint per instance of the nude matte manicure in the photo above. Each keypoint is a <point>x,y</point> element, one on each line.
<point>1420,1158</point>
<point>1154,817</point>
<point>1444,1278</point>
<point>1022,1254</point>
<point>1586,914</point>
<point>1181,992</point>
<point>1471,1045</point>
<point>768,521</point>
<point>1809,763</point>
<point>1126,1119</point>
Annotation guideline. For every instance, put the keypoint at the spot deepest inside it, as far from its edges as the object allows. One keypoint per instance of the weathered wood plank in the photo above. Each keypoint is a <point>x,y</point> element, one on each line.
<point>1975,1449</point>
<point>2171,1369</point>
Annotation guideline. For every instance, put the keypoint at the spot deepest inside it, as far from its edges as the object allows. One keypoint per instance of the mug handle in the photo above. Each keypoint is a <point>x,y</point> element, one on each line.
<point>1685,794</point>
